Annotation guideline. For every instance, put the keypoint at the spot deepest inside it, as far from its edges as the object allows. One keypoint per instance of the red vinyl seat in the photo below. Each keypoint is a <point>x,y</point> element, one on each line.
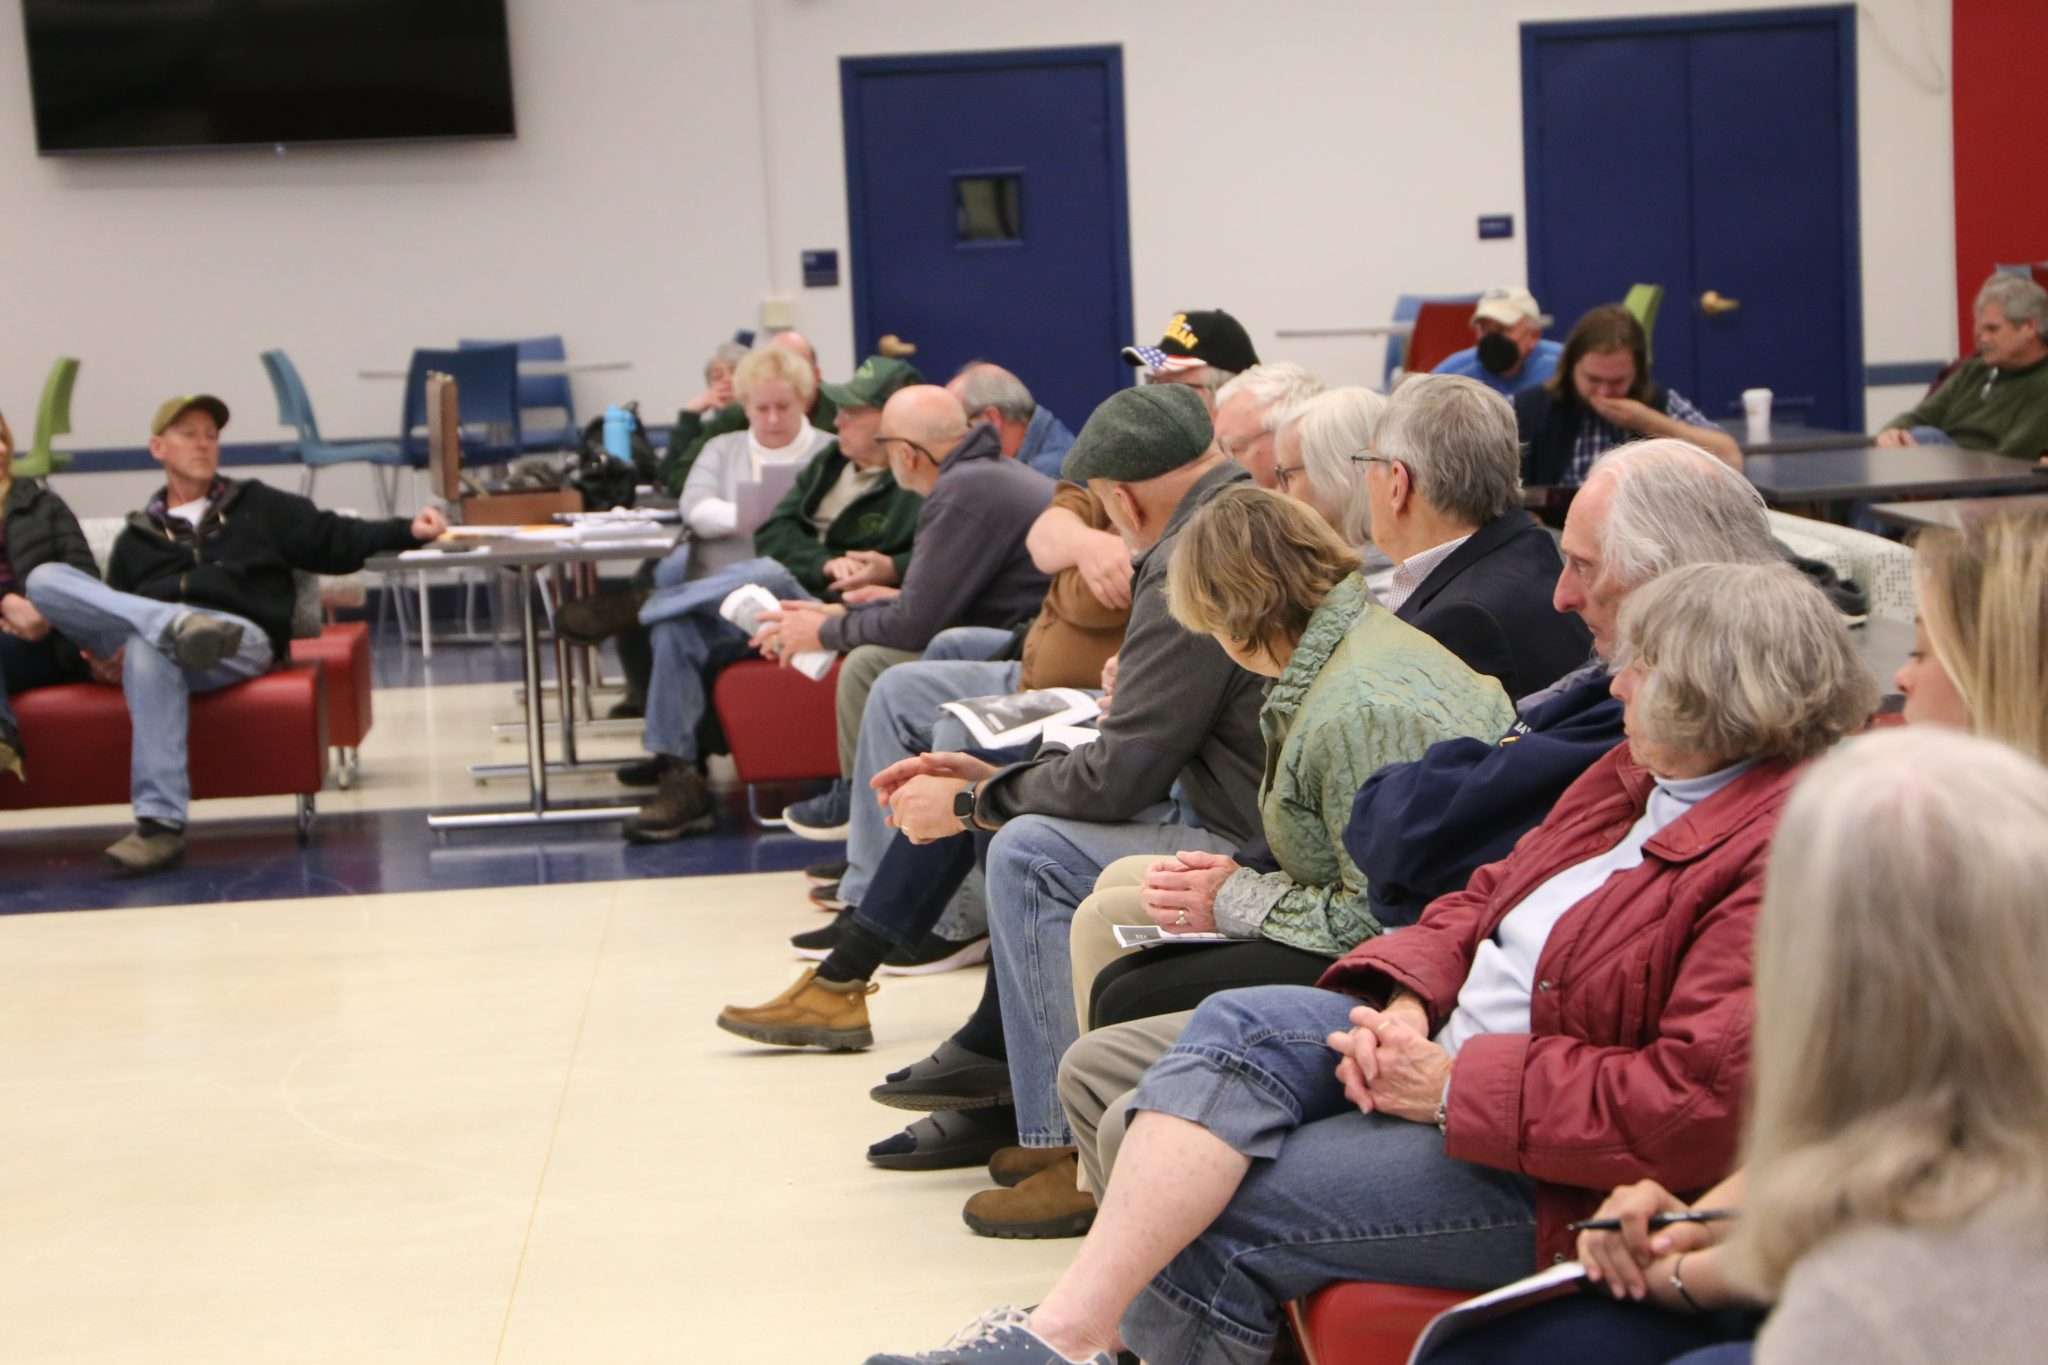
<point>342,649</point>
<point>1366,1324</point>
<point>779,725</point>
<point>264,737</point>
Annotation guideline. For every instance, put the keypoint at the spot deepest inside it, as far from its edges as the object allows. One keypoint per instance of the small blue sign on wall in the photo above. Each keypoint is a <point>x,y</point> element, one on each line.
<point>821,269</point>
<point>1492,225</point>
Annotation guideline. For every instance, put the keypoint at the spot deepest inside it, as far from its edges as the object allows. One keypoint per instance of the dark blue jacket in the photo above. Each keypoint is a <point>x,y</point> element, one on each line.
<point>1419,830</point>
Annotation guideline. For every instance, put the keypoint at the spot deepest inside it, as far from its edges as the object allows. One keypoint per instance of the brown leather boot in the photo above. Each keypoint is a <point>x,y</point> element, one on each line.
<point>595,619</point>
<point>1049,1204</point>
<point>812,1013</point>
<point>682,806</point>
<point>1015,1165</point>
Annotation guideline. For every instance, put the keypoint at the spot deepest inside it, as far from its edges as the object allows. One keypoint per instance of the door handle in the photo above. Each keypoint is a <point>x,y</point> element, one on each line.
<point>1713,305</point>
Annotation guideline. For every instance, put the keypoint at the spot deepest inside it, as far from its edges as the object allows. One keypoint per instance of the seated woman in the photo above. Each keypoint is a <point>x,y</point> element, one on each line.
<point>1577,1015</point>
<point>1356,690</point>
<point>1979,663</point>
<point>36,528</point>
<point>1601,397</point>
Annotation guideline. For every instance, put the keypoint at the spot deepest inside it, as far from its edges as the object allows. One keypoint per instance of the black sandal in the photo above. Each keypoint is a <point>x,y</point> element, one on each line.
<point>951,1078</point>
<point>947,1139</point>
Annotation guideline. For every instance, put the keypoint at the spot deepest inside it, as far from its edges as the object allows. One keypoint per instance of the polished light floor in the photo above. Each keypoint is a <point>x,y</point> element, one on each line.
<point>391,1099</point>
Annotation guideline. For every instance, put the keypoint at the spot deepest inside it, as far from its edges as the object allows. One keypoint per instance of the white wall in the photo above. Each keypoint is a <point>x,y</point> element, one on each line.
<point>1300,164</point>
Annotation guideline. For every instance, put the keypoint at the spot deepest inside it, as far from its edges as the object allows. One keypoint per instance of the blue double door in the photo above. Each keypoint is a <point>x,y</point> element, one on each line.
<point>1716,156</point>
<point>987,218</point>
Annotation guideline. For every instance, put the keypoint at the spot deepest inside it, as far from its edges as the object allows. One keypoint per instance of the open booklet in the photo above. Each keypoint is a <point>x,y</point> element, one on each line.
<point>1005,722</point>
<point>1555,1283</point>
<point>1152,936</point>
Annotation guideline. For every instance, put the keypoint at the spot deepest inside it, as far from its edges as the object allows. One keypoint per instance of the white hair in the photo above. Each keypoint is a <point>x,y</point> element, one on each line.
<point>1676,504</point>
<point>2019,298</point>
<point>1458,439</point>
<point>728,354</point>
<point>984,384</point>
<point>1279,388</point>
<point>1333,427</point>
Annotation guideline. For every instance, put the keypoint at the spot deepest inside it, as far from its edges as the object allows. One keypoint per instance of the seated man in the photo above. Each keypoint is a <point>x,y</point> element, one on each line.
<point>1512,353</point>
<point>1998,399</point>
<point>198,597</point>
<point>1203,350</point>
<point>979,509</point>
<point>1031,434</point>
<point>1472,568</point>
<point>1253,407</point>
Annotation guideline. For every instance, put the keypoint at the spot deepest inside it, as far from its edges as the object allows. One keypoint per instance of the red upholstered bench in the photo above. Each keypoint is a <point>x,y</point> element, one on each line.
<point>265,737</point>
<point>1366,1324</point>
<point>780,726</point>
<point>342,649</point>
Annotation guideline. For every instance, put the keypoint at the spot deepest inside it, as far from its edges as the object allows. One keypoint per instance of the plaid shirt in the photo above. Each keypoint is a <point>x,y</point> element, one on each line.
<point>1597,435</point>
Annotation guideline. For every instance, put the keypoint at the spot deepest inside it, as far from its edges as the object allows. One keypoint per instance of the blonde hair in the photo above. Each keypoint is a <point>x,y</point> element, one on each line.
<point>1742,661</point>
<point>1901,1041</point>
<point>1251,567</point>
<point>1984,601</point>
<point>771,363</point>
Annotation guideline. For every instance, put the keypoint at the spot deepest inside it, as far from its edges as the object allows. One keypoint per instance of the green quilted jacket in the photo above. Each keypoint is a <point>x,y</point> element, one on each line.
<point>1362,690</point>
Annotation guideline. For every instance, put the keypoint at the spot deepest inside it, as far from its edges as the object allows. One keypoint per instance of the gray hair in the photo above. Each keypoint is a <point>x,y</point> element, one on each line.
<point>1676,504</point>
<point>1900,1056</point>
<point>1458,439</point>
<point>1208,377</point>
<point>1279,389</point>
<point>1741,661</point>
<point>728,354</point>
<point>1332,427</point>
<point>985,385</point>
<point>2019,298</point>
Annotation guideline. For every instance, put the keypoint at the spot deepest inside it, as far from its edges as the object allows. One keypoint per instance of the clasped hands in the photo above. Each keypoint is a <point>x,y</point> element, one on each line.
<point>1179,893</point>
<point>918,792</point>
<point>1388,1065</point>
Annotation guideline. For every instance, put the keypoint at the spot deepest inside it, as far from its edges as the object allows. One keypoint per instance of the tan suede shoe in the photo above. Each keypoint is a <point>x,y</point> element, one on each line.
<point>1015,1165</point>
<point>137,854</point>
<point>1048,1204</point>
<point>812,1013</point>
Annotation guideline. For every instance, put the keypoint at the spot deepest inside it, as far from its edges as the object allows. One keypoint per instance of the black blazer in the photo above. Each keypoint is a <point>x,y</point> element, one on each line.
<point>1489,604</point>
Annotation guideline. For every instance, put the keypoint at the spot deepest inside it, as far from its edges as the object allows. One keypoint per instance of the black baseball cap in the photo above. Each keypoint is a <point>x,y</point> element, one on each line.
<point>1198,338</point>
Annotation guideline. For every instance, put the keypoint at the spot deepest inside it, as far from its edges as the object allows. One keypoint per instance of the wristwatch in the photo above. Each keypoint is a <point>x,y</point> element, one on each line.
<point>963,806</point>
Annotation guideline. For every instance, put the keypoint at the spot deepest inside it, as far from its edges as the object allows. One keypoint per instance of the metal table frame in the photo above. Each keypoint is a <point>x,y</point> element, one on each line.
<point>526,559</point>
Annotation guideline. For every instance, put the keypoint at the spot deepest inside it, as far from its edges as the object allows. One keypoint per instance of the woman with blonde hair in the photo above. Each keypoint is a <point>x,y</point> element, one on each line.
<point>1980,652</point>
<point>36,528</point>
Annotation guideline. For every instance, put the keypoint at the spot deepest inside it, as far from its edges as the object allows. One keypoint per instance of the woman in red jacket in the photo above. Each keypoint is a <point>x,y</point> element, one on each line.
<point>1578,1016</point>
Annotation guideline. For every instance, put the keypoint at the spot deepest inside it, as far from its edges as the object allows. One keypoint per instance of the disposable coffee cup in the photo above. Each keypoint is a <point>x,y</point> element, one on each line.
<point>1756,411</point>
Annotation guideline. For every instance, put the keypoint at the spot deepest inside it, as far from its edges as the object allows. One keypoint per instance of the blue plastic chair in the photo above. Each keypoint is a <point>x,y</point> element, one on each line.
<point>295,410</point>
<point>487,390</point>
<point>541,393</point>
<point>1406,306</point>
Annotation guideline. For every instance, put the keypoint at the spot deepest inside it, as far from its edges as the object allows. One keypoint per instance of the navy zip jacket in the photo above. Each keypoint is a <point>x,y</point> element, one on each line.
<point>1419,830</point>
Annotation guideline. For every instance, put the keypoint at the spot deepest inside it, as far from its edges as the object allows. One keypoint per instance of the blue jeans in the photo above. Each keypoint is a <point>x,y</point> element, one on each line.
<point>1332,1194</point>
<point>1040,869</point>
<point>692,642</point>
<point>105,621</point>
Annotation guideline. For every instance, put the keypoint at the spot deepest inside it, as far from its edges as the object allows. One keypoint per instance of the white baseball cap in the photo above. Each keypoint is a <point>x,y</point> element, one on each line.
<point>1509,305</point>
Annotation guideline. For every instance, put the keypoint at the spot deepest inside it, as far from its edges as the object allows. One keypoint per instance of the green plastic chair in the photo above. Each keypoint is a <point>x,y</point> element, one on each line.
<point>1643,300</point>
<point>53,419</point>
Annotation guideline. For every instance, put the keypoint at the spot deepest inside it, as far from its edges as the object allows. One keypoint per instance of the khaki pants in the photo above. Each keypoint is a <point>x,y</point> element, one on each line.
<point>1092,943</point>
<point>857,674</point>
<point>1098,1078</point>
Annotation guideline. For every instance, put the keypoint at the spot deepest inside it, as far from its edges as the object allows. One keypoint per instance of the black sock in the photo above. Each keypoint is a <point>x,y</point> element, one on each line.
<point>854,958</point>
<point>146,826</point>
<point>983,1031</point>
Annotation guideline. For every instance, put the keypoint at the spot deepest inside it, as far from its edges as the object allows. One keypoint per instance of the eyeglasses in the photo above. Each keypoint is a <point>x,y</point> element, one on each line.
<point>1284,472</point>
<point>1368,457</point>
<point>886,441</point>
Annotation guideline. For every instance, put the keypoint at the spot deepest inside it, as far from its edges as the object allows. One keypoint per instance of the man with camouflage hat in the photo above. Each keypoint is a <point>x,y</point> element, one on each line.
<point>198,597</point>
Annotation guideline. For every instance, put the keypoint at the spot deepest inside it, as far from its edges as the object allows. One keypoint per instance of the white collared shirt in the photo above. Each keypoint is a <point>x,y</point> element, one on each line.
<point>1410,572</point>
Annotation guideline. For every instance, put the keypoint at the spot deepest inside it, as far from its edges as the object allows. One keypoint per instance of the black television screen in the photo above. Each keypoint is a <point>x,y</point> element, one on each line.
<point>119,75</point>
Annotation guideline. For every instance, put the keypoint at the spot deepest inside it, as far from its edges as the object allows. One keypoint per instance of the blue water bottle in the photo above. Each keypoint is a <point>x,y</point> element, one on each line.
<point>618,434</point>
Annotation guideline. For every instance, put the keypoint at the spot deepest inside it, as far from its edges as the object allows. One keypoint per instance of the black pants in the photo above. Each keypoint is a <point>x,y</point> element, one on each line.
<point>1168,980</point>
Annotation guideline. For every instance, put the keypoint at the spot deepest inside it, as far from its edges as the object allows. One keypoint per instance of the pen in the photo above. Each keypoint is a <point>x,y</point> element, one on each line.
<point>1657,1220</point>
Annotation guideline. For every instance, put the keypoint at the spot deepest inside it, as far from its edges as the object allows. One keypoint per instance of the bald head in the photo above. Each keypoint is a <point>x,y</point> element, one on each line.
<point>920,425</point>
<point>796,343</point>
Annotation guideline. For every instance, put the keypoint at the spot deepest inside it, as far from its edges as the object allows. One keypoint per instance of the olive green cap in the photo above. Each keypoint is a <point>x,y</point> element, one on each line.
<point>171,409</point>
<point>877,378</point>
<point>1139,434</point>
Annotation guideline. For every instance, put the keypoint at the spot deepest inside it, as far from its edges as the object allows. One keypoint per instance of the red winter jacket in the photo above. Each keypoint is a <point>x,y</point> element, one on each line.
<point>1638,1039</point>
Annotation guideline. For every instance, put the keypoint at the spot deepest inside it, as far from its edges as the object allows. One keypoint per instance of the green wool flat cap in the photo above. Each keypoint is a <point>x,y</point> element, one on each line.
<point>1139,434</point>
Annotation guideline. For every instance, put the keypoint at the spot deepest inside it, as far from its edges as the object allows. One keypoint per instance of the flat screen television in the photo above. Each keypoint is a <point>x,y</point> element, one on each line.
<point>133,75</point>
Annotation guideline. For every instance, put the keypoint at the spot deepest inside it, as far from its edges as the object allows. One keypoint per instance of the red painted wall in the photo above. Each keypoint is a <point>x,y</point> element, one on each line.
<point>2001,48</point>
